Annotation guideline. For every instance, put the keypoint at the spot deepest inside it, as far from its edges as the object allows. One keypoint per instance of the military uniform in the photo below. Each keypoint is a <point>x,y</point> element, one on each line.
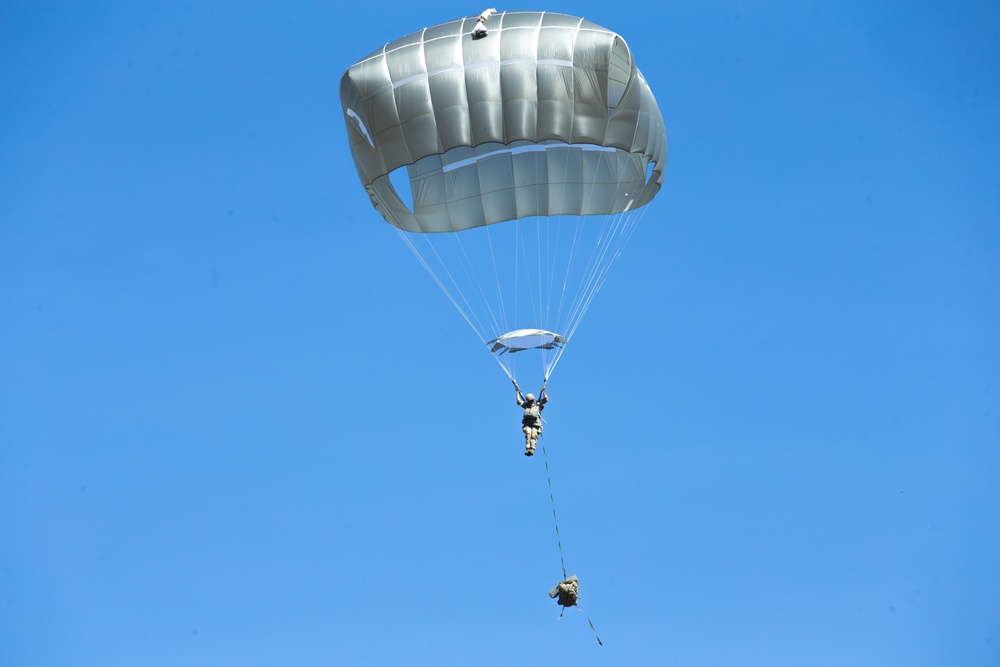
<point>531,423</point>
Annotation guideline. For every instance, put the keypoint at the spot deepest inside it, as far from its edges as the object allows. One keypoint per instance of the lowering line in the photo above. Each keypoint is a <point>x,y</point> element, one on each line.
<point>555,521</point>
<point>591,623</point>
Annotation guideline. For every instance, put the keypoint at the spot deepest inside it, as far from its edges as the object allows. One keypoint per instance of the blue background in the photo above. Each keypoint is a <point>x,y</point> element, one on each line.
<point>239,425</point>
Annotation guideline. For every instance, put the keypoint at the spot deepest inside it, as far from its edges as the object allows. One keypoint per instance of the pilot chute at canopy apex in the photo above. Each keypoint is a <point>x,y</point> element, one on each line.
<point>515,166</point>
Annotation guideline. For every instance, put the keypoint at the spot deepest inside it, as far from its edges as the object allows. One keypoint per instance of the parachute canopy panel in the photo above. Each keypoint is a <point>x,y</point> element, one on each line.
<point>526,339</point>
<point>548,115</point>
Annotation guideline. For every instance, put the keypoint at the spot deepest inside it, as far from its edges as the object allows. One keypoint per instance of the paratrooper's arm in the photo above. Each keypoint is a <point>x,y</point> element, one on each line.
<point>519,397</point>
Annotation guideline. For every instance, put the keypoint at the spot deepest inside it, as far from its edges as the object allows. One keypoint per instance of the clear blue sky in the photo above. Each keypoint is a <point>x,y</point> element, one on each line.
<point>227,439</point>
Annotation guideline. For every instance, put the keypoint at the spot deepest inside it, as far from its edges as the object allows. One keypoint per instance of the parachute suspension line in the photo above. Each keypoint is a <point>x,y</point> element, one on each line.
<point>538,256</point>
<point>517,249</point>
<point>614,235</point>
<point>496,277</point>
<point>479,326</point>
<point>608,232</point>
<point>510,362</point>
<point>527,272</point>
<point>555,520</point>
<point>505,369</point>
<point>596,265</point>
<point>539,286</point>
<point>550,264</point>
<point>562,287</point>
<point>530,247</point>
<point>533,274</point>
<point>574,252</point>
<point>413,248</point>
<point>631,225</point>
<point>549,361</point>
<point>474,282</point>
<point>631,221</point>
<point>547,259</point>
<point>570,261</point>
<point>559,324</point>
<point>523,262</point>
<point>605,234</point>
<point>545,283</point>
<point>593,284</point>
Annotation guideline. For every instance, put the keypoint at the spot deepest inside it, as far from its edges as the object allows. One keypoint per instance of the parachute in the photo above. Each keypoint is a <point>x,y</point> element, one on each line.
<point>515,166</point>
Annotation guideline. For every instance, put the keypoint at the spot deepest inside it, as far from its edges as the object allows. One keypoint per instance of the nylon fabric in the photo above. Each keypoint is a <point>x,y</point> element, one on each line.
<point>427,100</point>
